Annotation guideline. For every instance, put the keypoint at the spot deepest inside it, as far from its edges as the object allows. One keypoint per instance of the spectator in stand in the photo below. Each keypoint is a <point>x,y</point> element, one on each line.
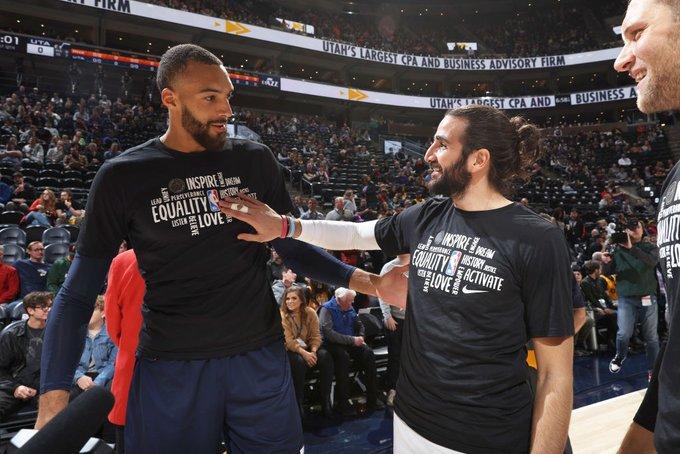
<point>605,260</point>
<point>584,333</point>
<point>11,156</point>
<point>276,267</point>
<point>369,191</point>
<point>74,160</point>
<point>280,286</point>
<point>350,204</point>
<point>574,227</point>
<point>318,294</point>
<point>68,211</point>
<point>99,355</point>
<point>123,312</point>
<point>55,154</point>
<point>343,336</point>
<point>393,318</point>
<point>339,213</point>
<point>93,154</point>
<point>33,151</point>
<point>594,289</point>
<point>32,271</point>
<point>22,192</point>
<point>57,273</point>
<point>9,280</point>
<point>597,243</point>
<point>634,262</point>
<point>303,343</point>
<point>43,211</point>
<point>5,194</point>
<point>113,152</point>
<point>365,212</point>
<point>299,206</point>
<point>312,212</point>
<point>20,353</point>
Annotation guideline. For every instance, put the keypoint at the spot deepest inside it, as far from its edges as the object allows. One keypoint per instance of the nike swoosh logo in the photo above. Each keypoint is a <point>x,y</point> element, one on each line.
<point>468,291</point>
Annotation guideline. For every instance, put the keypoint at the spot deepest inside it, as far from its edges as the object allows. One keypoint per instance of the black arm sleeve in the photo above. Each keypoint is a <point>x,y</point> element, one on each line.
<point>313,262</point>
<point>67,323</point>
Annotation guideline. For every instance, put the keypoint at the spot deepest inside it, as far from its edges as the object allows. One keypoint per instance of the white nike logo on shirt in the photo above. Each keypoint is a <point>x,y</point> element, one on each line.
<point>468,291</point>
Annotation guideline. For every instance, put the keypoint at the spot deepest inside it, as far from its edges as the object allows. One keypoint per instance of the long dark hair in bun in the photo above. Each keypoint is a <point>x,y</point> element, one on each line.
<point>513,143</point>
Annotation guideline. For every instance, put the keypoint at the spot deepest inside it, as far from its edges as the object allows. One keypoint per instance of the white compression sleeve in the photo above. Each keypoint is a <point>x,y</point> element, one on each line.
<point>339,235</point>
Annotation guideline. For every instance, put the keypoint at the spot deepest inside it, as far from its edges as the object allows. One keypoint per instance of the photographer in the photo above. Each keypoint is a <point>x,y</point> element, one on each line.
<point>634,262</point>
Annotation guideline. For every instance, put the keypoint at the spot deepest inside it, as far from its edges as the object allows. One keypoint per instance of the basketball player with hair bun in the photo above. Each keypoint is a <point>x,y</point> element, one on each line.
<point>486,276</point>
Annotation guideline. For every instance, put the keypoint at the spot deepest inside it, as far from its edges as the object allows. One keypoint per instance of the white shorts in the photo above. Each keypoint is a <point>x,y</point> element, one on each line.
<point>407,441</point>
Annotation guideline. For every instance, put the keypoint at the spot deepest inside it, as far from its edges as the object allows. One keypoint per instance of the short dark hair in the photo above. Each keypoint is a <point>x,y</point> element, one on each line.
<point>175,60</point>
<point>35,300</point>
<point>591,265</point>
<point>513,143</point>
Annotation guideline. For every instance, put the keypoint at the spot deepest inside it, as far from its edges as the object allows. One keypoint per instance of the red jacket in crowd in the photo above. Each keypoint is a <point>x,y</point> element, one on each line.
<point>123,311</point>
<point>9,283</point>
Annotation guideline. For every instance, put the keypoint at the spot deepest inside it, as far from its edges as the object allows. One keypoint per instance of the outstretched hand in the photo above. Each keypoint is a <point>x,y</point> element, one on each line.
<point>266,222</point>
<point>392,287</point>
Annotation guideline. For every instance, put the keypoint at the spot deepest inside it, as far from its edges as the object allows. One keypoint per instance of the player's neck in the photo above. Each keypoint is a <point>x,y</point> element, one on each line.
<point>179,139</point>
<point>480,196</point>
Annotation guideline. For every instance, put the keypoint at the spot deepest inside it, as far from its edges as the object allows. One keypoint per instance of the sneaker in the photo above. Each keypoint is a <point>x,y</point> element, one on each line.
<point>616,364</point>
<point>390,397</point>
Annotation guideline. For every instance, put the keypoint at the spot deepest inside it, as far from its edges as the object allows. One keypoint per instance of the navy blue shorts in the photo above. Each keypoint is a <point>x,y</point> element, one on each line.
<point>190,407</point>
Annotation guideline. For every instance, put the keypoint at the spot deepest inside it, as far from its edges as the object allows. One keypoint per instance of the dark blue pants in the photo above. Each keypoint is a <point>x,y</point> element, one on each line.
<point>184,407</point>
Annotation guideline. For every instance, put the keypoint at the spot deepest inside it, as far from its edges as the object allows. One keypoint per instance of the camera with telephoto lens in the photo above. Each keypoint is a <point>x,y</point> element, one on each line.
<point>620,236</point>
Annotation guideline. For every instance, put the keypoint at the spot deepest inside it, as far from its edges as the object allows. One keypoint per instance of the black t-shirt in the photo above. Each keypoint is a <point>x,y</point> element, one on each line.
<point>60,205</point>
<point>30,374</point>
<point>480,285</point>
<point>667,431</point>
<point>207,291</point>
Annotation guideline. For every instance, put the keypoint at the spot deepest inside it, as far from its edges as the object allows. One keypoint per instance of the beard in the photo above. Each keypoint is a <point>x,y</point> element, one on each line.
<point>452,182</point>
<point>201,131</point>
<point>660,91</point>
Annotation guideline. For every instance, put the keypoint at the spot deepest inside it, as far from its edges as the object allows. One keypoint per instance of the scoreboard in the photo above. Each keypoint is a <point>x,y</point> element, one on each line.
<point>53,48</point>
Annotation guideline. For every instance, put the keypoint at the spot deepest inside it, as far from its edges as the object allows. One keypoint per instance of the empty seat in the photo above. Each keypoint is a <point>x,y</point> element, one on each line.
<point>34,233</point>
<point>74,230</point>
<point>13,252</point>
<point>49,182</point>
<point>11,217</point>
<point>55,251</point>
<point>56,235</point>
<point>13,235</point>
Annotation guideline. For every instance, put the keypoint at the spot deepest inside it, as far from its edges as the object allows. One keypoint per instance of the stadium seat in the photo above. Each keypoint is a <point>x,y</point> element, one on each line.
<point>49,182</point>
<point>74,230</point>
<point>72,174</point>
<point>34,233</point>
<point>49,173</point>
<point>72,183</point>
<point>55,251</point>
<point>56,235</point>
<point>11,217</point>
<point>13,253</point>
<point>13,235</point>
<point>10,309</point>
<point>55,166</point>
<point>17,311</point>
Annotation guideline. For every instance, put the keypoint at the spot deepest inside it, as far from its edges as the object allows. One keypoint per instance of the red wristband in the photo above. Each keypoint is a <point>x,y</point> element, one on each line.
<point>284,226</point>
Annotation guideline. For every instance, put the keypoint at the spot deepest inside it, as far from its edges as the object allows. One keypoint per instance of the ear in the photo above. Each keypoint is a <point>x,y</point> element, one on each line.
<point>479,160</point>
<point>168,98</point>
